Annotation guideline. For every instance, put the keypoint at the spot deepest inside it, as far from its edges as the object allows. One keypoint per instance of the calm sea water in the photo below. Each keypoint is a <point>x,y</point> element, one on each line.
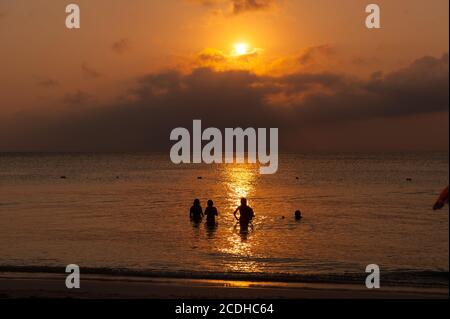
<point>129,213</point>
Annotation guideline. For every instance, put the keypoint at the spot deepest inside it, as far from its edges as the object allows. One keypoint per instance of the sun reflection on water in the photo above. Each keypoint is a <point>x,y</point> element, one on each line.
<point>240,181</point>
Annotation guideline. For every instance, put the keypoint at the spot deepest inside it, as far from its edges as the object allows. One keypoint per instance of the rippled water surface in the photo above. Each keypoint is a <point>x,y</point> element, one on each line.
<point>131,211</point>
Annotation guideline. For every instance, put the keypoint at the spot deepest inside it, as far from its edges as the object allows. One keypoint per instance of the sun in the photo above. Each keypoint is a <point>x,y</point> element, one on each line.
<point>241,49</point>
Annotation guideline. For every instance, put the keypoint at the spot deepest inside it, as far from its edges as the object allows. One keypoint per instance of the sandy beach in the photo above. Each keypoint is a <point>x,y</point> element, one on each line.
<point>20,285</point>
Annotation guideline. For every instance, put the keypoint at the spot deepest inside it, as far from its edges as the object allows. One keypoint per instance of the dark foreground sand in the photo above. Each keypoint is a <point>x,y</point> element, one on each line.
<point>53,286</point>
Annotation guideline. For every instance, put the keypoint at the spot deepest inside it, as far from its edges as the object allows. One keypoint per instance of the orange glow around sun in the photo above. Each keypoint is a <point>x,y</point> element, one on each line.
<point>241,56</point>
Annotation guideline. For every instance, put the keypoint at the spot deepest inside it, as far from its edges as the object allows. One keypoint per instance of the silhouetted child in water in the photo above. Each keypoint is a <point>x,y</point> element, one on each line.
<point>298,215</point>
<point>211,213</point>
<point>246,214</point>
<point>196,212</point>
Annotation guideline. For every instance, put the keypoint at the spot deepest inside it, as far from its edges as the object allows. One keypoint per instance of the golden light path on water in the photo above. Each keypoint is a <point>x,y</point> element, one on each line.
<point>240,181</point>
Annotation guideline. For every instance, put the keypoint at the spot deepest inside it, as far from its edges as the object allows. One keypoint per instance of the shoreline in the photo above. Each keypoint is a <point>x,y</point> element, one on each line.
<point>46,285</point>
<point>398,278</point>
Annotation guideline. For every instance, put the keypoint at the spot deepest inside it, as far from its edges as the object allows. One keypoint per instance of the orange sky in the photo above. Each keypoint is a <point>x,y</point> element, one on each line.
<point>48,69</point>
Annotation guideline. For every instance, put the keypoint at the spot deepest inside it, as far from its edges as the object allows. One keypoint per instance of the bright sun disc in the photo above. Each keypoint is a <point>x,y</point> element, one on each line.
<point>241,48</point>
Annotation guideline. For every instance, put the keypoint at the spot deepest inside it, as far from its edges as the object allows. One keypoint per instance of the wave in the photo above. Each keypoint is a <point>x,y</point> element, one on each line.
<point>405,278</point>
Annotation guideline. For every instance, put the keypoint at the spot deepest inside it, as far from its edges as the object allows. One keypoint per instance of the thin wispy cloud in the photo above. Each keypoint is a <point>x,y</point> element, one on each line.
<point>219,60</point>
<point>364,61</point>
<point>242,6</point>
<point>237,7</point>
<point>77,98</point>
<point>316,52</point>
<point>48,83</point>
<point>89,72</point>
<point>121,46</point>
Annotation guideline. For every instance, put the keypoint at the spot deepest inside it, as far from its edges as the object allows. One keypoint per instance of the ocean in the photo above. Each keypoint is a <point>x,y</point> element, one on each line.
<point>128,214</point>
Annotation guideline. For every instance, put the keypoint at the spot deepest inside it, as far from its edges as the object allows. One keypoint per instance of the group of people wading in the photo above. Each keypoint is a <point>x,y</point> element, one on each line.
<point>244,213</point>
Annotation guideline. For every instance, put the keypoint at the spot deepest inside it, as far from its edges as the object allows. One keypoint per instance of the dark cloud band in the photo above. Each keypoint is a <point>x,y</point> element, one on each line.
<point>163,101</point>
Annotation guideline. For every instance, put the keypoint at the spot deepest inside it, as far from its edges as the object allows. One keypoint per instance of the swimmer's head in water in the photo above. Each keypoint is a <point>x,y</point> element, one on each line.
<point>210,203</point>
<point>244,201</point>
<point>298,214</point>
<point>196,202</point>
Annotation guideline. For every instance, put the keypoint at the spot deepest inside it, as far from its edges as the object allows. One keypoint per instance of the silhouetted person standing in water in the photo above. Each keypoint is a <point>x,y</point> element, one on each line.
<point>196,212</point>
<point>246,214</point>
<point>211,213</point>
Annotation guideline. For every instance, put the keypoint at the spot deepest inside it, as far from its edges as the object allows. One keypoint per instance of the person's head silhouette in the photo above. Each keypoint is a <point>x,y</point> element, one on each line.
<point>210,203</point>
<point>244,201</point>
<point>196,202</point>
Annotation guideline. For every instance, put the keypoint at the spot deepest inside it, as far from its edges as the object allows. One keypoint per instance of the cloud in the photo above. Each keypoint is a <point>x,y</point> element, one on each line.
<point>77,98</point>
<point>211,56</point>
<point>89,72</point>
<point>121,46</point>
<point>206,3</point>
<point>314,53</point>
<point>237,7</point>
<point>220,61</point>
<point>241,6</point>
<point>317,58</point>
<point>309,108</point>
<point>48,83</point>
<point>363,61</point>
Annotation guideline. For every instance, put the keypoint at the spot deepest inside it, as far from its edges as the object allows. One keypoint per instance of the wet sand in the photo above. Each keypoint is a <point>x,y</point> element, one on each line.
<point>17,285</point>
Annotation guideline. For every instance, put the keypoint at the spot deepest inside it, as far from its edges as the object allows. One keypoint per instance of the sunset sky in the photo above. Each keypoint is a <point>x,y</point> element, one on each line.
<point>137,69</point>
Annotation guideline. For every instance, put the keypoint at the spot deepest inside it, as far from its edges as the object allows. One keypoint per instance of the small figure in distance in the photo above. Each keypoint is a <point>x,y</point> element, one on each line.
<point>196,212</point>
<point>211,213</point>
<point>246,214</point>
<point>298,215</point>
